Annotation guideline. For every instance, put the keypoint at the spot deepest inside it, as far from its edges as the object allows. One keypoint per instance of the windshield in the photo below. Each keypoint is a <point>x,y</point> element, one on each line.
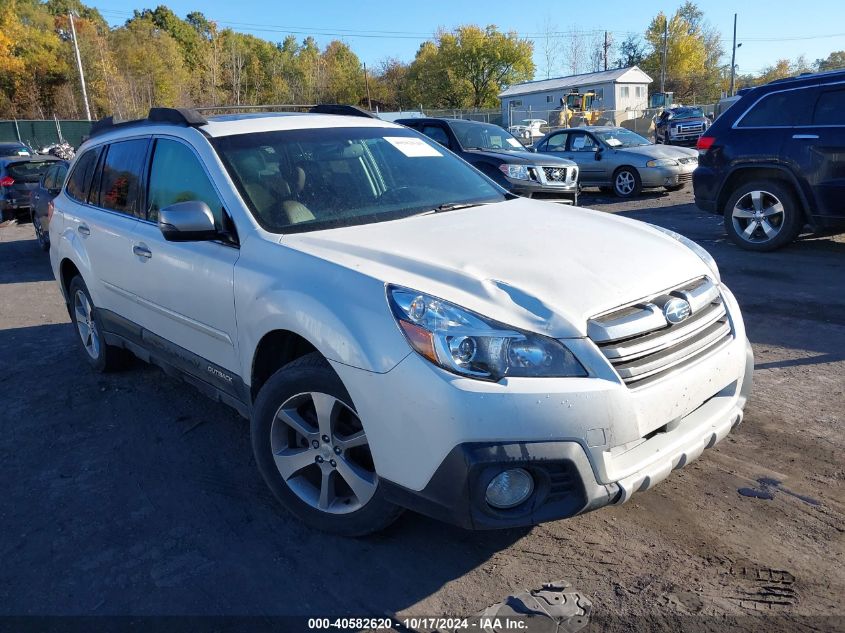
<point>485,136</point>
<point>313,179</point>
<point>685,113</point>
<point>619,137</point>
<point>28,171</point>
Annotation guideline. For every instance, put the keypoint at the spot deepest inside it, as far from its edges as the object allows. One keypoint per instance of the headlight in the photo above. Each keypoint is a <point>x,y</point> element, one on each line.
<point>706,257</point>
<point>517,172</point>
<point>468,344</point>
<point>662,162</point>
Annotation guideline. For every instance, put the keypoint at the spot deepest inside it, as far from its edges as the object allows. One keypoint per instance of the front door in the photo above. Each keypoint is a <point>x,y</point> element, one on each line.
<point>584,149</point>
<point>186,289</point>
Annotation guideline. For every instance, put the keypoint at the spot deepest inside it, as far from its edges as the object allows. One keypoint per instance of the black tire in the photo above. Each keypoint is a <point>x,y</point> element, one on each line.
<point>104,358</point>
<point>636,183</point>
<point>42,238</point>
<point>311,374</point>
<point>787,222</point>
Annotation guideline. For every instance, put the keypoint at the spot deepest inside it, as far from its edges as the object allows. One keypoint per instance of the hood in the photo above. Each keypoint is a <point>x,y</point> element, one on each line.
<point>533,265</point>
<point>520,158</point>
<point>661,151</point>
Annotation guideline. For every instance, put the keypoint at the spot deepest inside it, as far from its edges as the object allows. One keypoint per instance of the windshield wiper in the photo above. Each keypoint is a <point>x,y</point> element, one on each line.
<point>452,206</point>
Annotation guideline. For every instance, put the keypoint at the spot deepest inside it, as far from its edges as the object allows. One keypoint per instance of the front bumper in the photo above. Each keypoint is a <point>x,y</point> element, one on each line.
<point>666,176</point>
<point>539,191</point>
<point>437,439</point>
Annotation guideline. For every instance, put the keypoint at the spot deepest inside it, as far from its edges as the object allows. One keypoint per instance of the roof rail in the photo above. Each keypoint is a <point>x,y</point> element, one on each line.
<point>176,116</point>
<point>344,110</point>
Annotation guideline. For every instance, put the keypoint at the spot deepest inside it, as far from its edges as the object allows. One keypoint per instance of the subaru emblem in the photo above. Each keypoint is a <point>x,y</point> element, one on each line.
<point>676,310</point>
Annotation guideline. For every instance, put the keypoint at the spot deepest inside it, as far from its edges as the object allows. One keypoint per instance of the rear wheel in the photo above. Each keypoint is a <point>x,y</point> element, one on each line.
<point>626,182</point>
<point>40,234</point>
<point>101,356</point>
<point>763,215</point>
<point>312,450</point>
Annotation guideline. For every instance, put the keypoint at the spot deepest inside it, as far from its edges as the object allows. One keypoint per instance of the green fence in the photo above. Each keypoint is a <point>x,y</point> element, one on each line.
<point>40,133</point>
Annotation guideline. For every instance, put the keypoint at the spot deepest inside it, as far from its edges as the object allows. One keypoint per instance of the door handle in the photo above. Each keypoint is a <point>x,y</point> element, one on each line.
<point>142,251</point>
<point>83,229</point>
<point>809,136</point>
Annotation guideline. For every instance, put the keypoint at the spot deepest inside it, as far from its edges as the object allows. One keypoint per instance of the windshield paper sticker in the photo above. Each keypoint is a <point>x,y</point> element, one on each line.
<point>513,142</point>
<point>613,142</point>
<point>412,147</point>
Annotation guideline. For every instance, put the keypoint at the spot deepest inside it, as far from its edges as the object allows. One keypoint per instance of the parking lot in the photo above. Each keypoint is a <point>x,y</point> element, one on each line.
<point>133,494</point>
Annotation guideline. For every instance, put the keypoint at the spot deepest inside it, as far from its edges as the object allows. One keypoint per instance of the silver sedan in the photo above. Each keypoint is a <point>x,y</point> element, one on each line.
<point>617,159</point>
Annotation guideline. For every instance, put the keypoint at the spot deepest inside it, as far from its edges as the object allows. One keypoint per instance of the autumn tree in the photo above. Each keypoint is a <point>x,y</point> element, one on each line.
<point>834,61</point>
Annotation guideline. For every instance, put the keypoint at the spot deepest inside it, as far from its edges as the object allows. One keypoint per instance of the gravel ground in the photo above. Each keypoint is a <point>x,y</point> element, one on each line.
<point>132,494</point>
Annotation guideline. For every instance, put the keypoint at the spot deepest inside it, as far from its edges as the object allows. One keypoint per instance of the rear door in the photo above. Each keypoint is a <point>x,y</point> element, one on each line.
<point>818,150</point>
<point>186,289</point>
<point>103,223</point>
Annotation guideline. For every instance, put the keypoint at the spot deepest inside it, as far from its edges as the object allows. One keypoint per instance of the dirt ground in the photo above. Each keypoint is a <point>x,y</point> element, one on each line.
<point>132,494</point>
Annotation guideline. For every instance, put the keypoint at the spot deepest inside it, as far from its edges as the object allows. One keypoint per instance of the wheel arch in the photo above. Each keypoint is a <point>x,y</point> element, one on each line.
<point>741,175</point>
<point>276,349</point>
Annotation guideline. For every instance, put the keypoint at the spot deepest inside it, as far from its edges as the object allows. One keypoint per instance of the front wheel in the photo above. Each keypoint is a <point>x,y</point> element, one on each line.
<point>626,182</point>
<point>763,215</point>
<point>313,452</point>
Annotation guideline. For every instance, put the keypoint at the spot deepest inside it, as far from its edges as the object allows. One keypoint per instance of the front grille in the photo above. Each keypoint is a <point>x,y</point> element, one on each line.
<point>642,345</point>
<point>564,176</point>
<point>684,177</point>
<point>691,128</point>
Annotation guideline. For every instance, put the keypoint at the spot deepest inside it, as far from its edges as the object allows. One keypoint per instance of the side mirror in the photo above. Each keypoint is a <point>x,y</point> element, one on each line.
<point>597,153</point>
<point>190,221</point>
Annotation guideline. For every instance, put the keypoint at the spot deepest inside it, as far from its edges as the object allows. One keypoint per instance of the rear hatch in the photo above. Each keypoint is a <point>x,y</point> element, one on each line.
<point>24,177</point>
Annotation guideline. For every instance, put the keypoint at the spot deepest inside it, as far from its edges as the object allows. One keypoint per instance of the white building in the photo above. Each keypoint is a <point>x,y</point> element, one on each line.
<point>616,90</point>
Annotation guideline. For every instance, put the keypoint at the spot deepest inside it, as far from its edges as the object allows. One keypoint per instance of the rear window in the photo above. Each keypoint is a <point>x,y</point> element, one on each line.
<point>780,109</point>
<point>14,150</point>
<point>28,171</point>
<point>80,178</point>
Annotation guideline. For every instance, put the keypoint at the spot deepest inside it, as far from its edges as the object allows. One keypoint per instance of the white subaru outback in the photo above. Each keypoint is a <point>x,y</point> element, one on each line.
<point>400,331</point>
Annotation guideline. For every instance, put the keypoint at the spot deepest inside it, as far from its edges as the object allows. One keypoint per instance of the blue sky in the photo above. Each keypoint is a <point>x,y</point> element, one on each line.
<point>376,30</point>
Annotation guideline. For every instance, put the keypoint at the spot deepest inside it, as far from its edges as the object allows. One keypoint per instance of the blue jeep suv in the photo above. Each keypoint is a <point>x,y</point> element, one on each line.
<point>774,162</point>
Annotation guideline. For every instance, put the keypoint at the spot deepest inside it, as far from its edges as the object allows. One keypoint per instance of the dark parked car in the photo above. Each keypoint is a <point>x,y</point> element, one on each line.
<point>19,176</point>
<point>680,126</point>
<point>775,162</point>
<point>42,200</point>
<point>497,153</point>
<point>14,149</point>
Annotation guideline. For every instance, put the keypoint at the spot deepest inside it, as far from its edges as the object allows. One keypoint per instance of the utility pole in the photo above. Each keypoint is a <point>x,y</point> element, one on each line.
<point>665,44</point>
<point>367,84</point>
<point>733,60</point>
<point>79,66</point>
<point>606,47</point>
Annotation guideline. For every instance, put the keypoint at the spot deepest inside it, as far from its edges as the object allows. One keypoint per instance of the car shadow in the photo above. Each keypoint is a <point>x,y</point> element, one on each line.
<point>22,260</point>
<point>134,494</point>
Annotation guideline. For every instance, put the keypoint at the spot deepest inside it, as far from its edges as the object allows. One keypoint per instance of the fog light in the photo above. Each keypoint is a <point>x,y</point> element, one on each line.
<point>510,488</point>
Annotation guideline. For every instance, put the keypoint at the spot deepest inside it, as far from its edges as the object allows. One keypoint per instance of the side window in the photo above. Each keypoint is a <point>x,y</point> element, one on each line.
<point>80,179</point>
<point>830,108</point>
<point>61,172</point>
<point>176,175</point>
<point>581,142</point>
<point>556,143</point>
<point>436,133</point>
<point>48,181</point>
<point>780,109</point>
<point>121,177</point>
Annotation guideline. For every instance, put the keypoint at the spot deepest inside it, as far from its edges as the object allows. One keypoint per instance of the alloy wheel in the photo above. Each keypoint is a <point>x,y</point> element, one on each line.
<point>758,216</point>
<point>321,451</point>
<point>625,183</point>
<point>86,325</point>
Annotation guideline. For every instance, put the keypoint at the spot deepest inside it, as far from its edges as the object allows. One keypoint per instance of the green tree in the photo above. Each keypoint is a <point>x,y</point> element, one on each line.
<point>469,66</point>
<point>632,52</point>
<point>834,61</point>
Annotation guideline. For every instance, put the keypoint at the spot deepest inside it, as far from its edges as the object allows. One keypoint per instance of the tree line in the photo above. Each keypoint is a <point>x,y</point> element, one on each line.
<point>159,58</point>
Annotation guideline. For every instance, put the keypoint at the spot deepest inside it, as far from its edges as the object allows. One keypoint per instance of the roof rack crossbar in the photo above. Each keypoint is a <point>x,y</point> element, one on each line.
<point>176,116</point>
